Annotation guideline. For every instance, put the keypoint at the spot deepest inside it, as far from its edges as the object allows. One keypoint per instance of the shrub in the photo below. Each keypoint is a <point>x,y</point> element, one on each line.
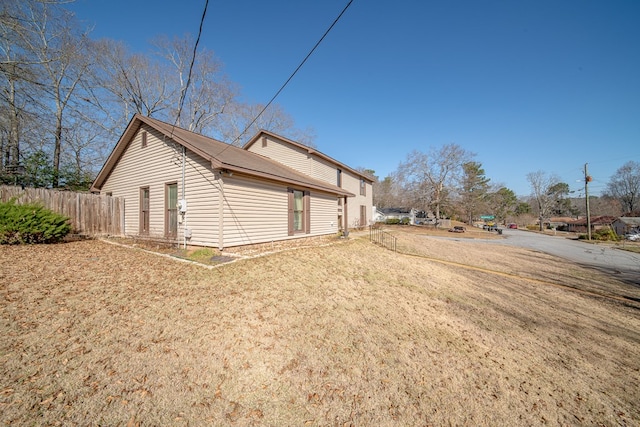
<point>392,221</point>
<point>31,223</point>
<point>605,234</point>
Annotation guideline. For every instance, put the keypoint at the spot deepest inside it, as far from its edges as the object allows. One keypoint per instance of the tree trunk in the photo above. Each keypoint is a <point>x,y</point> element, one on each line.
<point>13,144</point>
<point>55,181</point>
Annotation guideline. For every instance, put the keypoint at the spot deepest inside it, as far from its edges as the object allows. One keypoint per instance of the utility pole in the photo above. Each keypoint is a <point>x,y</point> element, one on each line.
<point>587,180</point>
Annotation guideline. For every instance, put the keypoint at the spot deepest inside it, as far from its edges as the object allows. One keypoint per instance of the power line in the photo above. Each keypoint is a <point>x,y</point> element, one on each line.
<point>183,95</point>
<point>294,73</point>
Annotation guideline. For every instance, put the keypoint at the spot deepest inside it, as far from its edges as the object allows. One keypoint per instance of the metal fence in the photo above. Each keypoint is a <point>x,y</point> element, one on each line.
<point>382,238</point>
<point>89,214</point>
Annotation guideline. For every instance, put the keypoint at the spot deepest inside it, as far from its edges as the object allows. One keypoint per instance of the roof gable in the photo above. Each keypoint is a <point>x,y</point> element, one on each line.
<point>308,149</point>
<point>629,220</point>
<point>596,220</point>
<point>219,154</point>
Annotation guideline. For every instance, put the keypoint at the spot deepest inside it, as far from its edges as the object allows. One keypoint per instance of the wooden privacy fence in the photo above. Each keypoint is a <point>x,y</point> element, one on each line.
<point>90,214</point>
<point>376,235</point>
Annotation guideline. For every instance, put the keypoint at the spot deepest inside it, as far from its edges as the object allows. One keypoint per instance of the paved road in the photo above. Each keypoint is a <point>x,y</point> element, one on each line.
<point>624,264</point>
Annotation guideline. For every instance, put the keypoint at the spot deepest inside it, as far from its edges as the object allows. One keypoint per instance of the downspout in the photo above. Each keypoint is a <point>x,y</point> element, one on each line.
<point>345,217</point>
<point>184,221</point>
<point>220,211</point>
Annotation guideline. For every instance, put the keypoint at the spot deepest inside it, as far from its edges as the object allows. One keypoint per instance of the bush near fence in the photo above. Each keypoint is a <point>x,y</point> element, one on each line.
<point>31,223</point>
<point>90,214</point>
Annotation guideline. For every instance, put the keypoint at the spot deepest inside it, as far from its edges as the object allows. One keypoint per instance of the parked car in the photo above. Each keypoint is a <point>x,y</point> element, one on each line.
<point>457,229</point>
<point>512,225</point>
<point>490,226</point>
<point>634,237</point>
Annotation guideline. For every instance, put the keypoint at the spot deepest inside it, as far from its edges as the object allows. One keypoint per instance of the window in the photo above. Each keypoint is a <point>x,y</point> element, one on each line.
<point>144,210</point>
<point>363,187</point>
<point>299,211</point>
<point>171,215</point>
<point>363,215</point>
<point>264,141</point>
<point>144,139</point>
<point>339,178</point>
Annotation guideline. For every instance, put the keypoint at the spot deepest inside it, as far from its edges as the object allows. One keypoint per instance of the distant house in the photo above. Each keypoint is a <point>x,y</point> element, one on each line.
<point>559,223</point>
<point>597,223</point>
<point>401,214</point>
<point>626,224</point>
<point>185,187</point>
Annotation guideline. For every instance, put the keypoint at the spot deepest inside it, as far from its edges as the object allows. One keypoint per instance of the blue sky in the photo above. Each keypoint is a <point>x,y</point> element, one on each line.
<point>526,85</point>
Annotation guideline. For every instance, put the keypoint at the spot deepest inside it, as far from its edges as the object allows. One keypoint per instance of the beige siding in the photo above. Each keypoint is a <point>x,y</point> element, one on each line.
<point>319,168</point>
<point>294,157</point>
<point>351,183</point>
<point>254,211</point>
<point>322,169</point>
<point>202,196</point>
<point>257,212</point>
<point>154,166</point>
<point>324,213</point>
<point>326,171</point>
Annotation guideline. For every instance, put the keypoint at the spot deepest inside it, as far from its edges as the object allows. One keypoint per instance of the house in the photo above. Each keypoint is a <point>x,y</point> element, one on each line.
<point>597,223</point>
<point>185,187</point>
<point>559,222</point>
<point>311,162</point>
<point>626,224</point>
<point>403,215</point>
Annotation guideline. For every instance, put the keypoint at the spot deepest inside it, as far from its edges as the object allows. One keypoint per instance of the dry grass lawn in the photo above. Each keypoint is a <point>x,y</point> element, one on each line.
<point>351,334</point>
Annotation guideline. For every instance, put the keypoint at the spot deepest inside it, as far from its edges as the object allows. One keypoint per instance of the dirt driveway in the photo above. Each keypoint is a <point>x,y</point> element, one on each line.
<point>446,333</point>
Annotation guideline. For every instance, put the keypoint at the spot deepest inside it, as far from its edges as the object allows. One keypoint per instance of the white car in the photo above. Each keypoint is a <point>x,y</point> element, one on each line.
<point>634,237</point>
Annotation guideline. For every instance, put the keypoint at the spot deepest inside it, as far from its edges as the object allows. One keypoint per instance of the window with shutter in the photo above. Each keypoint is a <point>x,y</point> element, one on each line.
<point>299,211</point>
<point>144,210</point>
<point>171,215</point>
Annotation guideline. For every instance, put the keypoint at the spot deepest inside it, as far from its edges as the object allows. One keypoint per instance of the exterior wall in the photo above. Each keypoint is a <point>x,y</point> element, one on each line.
<point>154,166</point>
<point>319,168</point>
<point>254,212</point>
<point>322,169</point>
<point>629,224</point>
<point>351,183</point>
<point>257,212</point>
<point>294,157</point>
<point>324,219</point>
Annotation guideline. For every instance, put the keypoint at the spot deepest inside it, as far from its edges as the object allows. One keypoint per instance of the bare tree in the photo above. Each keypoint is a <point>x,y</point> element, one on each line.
<point>624,186</point>
<point>426,176</point>
<point>387,192</point>
<point>62,53</point>
<point>65,97</point>
<point>392,192</point>
<point>135,83</point>
<point>603,205</point>
<point>15,77</point>
<point>206,90</point>
<point>242,121</point>
<point>44,63</point>
<point>545,191</point>
<point>153,85</point>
